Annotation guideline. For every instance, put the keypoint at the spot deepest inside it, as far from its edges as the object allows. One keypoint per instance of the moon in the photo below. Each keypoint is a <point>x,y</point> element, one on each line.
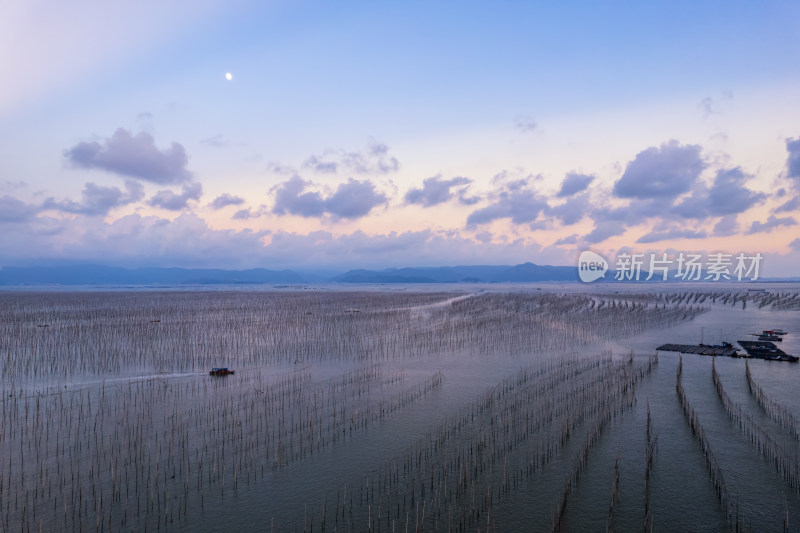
<point>228,76</point>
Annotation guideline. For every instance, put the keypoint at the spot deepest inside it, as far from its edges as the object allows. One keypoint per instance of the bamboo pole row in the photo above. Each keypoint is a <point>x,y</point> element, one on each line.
<point>775,410</point>
<point>727,501</point>
<point>783,459</point>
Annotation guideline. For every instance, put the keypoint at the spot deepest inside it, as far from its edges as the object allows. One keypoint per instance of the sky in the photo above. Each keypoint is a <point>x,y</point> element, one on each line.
<point>391,134</point>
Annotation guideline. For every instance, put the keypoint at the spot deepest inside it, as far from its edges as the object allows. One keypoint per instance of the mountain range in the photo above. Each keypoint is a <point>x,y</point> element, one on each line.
<point>106,275</point>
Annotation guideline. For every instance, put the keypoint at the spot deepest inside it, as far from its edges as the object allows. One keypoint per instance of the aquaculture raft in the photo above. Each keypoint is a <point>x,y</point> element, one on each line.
<point>767,350</point>
<point>220,372</point>
<point>725,349</point>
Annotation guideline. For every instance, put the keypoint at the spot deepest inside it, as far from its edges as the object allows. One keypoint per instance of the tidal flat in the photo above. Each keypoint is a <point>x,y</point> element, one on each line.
<point>455,408</point>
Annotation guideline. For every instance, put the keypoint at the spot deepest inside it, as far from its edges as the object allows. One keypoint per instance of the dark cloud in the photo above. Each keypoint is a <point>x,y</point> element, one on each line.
<point>771,223</point>
<point>525,123</point>
<point>97,200</point>
<point>570,239</point>
<point>672,233</point>
<point>795,244</point>
<point>351,200</point>
<point>793,160</point>
<point>727,196</point>
<point>246,214</point>
<point>290,198</point>
<point>664,172</point>
<point>436,190</point>
<point>133,155</point>
<point>726,226</point>
<point>15,210</point>
<point>374,160</point>
<point>515,202</point>
<point>791,205</point>
<point>175,202</point>
<point>354,199</point>
<point>318,165</point>
<point>574,183</point>
<point>224,200</point>
<point>573,210</point>
<point>604,229</point>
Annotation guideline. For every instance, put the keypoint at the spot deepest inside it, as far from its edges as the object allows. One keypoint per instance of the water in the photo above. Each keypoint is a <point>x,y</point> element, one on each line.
<point>180,422</point>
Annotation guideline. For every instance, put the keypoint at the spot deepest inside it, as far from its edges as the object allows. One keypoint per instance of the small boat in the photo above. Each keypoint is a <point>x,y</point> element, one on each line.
<point>768,335</point>
<point>222,371</point>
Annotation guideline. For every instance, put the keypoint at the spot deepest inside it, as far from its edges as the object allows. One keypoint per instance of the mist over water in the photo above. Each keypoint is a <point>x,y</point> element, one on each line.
<point>513,409</point>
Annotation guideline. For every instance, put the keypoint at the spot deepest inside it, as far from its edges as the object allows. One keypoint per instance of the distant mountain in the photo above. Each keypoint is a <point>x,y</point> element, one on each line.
<point>526,272</point>
<point>104,275</point>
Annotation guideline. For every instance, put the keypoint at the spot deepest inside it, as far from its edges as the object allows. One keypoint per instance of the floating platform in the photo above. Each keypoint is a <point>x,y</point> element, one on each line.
<point>725,350</point>
<point>767,350</point>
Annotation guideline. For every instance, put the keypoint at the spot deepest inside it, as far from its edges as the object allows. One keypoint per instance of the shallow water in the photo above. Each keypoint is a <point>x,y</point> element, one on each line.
<point>294,492</point>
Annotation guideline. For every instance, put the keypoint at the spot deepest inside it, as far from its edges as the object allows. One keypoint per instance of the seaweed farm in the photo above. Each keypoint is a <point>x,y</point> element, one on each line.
<point>455,409</point>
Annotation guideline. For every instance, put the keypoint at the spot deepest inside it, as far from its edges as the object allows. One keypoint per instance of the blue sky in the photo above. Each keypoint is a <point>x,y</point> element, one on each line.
<point>377,134</point>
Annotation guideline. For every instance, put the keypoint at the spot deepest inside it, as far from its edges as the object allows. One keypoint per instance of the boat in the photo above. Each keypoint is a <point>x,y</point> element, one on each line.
<point>768,335</point>
<point>221,371</point>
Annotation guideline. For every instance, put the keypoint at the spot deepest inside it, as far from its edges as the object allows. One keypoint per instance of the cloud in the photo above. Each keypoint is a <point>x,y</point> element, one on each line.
<point>224,200</point>
<point>727,196</point>
<point>374,160</point>
<point>132,155</point>
<point>771,223</point>
<point>570,239</point>
<point>217,141</point>
<point>13,210</point>
<point>97,200</point>
<point>518,204</point>
<point>175,202</point>
<point>573,210</point>
<point>354,199</point>
<point>671,233</point>
<point>247,214</point>
<point>726,226</point>
<point>525,123</point>
<point>436,190</point>
<point>412,248</point>
<point>280,168</point>
<point>604,229</point>
<point>791,205</point>
<point>664,172</point>
<point>351,200</point>
<point>574,183</point>
<point>795,244</point>
<point>711,106</point>
<point>793,160</point>
<point>188,241</point>
<point>290,198</point>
